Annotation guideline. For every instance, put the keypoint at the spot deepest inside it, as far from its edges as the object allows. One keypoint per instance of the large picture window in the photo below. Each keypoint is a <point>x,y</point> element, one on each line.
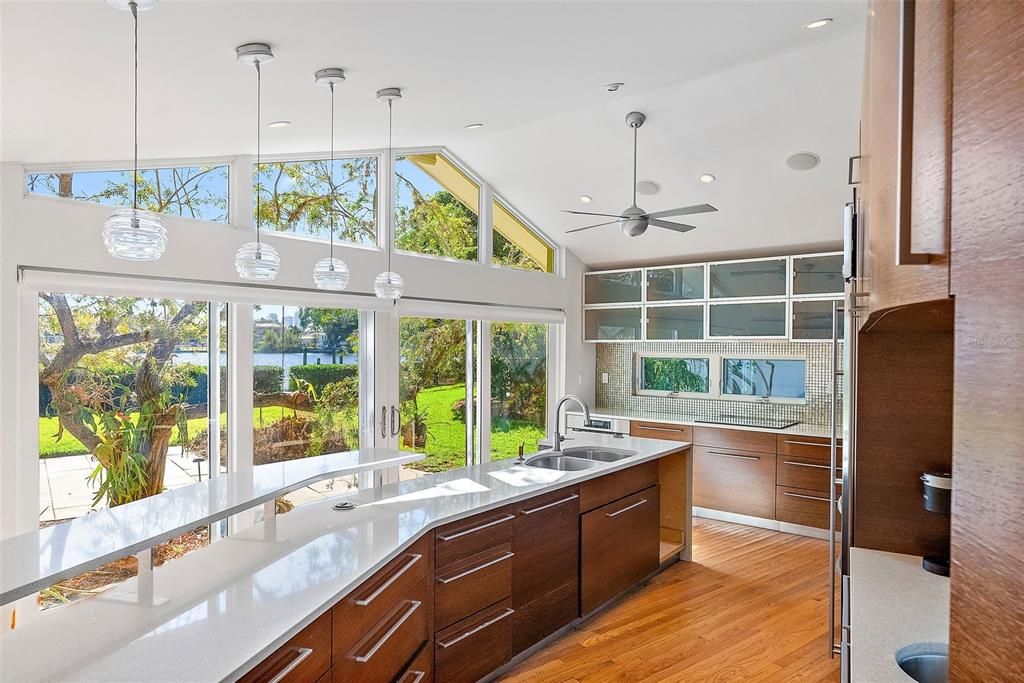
<point>436,207</point>
<point>299,197</point>
<point>519,385</point>
<point>199,192</point>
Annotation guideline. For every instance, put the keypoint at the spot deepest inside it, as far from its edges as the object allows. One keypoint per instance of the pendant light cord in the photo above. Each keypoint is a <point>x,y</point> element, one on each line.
<point>135,151</point>
<point>259,187</point>
<point>635,129</point>
<point>331,208</point>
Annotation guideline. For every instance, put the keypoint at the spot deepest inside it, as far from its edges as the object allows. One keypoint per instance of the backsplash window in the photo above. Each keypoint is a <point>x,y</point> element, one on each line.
<point>673,375</point>
<point>764,377</point>
<point>619,394</point>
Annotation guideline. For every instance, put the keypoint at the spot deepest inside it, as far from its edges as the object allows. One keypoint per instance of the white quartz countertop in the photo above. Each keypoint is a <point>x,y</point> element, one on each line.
<point>894,602</point>
<point>800,429</point>
<point>38,559</point>
<point>222,609</point>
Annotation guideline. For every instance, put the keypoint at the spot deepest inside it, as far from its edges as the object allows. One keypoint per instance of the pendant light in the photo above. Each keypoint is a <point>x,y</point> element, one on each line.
<point>331,273</point>
<point>389,285</point>
<point>135,234</point>
<point>256,260</point>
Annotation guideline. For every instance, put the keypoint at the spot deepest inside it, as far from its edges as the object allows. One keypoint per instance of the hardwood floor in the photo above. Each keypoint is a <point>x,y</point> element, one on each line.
<point>752,606</point>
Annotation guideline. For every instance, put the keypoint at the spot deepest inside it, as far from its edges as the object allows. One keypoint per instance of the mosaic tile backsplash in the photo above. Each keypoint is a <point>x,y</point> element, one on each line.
<point>618,361</point>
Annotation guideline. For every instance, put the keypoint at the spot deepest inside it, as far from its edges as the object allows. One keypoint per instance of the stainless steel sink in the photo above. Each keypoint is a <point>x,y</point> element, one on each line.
<point>598,454</point>
<point>925,662</point>
<point>564,463</point>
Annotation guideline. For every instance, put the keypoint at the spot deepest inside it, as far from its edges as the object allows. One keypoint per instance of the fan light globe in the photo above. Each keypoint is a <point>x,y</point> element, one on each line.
<point>257,261</point>
<point>389,285</point>
<point>134,235</point>
<point>330,273</point>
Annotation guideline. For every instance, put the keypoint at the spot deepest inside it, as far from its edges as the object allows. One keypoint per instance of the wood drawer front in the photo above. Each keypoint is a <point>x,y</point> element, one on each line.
<point>546,545</point>
<point>661,430</point>
<point>734,439</point>
<point>474,647</point>
<point>603,490</point>
<point>473,584</point>
<point>546,613</point>
<point>801,506</point>
<point>467,537</point>
<point>303,659</point>
<point>385,650</point>
<point>813,447</point>
<point>734,481</point>
<point>620,545</point>
<point>803,473</point>
<point>364,607</point>
<point>421,670</point>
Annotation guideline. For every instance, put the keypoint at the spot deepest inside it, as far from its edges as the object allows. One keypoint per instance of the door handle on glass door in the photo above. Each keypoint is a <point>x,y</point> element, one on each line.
<point>383,422</point>
<point>394,421</point>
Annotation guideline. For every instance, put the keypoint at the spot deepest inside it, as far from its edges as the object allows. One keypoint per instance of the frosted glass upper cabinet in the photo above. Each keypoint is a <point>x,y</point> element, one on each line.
<point>748,279</point>
<point>675,322</point>
<point>821,274</point>
<point>612,324</point>
<point>812,321</point>
<point>753,319</point>
<point>679,283</point>
<point>614,287</point>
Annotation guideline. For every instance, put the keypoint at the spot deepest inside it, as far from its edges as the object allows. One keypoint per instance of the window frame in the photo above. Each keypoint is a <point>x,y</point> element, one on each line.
<point>722,357</point>
<point>716,376</point>
<point>556,256</point>
<point>713,380</point>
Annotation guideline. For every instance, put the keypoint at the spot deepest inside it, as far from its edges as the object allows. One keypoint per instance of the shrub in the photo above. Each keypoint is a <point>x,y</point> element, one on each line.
<point>267,379</point>
<point>321,375</point>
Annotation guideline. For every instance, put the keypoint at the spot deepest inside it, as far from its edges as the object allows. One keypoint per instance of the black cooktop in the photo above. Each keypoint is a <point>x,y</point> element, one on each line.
<point>741,421</point>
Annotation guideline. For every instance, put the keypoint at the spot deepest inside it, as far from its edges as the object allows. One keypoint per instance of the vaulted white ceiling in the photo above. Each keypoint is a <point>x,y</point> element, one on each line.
<point>730,87</point>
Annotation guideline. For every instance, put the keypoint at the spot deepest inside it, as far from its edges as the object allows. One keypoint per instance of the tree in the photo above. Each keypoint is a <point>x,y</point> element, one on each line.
<point>134,428</point>
<point>340,326</point>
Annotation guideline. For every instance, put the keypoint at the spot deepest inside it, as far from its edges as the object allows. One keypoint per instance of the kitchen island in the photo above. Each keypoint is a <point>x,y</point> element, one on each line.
<point>225,609</point>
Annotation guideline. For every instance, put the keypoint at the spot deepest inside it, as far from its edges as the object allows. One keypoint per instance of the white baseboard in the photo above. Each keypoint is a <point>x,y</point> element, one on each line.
<point>761,522</point>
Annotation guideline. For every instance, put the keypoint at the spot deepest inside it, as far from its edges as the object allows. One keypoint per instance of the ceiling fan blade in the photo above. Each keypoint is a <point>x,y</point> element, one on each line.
<point>588,227</point>
<point>588,213</point>
<point>684,211</point>
<point>678,227</point>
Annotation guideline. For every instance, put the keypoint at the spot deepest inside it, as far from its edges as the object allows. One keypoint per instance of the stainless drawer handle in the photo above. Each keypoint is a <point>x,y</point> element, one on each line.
<point>466,532</point>
<point>413,606</point>
<point>567,499</point>
<point>485,565</point>
<point>806,464</point>
<point>733,455</point>
<point>676,430</point>
<point>413,559</point>
<point>809,443</point>
<point>801,495</point>
<point>476,629</point>
<point>626,509</point>
<point>301,654</point>
<point>417,676</point>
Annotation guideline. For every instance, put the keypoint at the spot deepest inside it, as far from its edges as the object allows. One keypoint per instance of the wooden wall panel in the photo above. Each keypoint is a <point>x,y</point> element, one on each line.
<point>987,590</point>
<point>904,426</point>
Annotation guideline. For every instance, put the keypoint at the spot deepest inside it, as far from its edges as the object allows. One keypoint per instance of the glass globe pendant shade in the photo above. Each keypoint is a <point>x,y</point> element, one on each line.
<point>257,261</point>
<point>135,235</point>
<point>330,273</point>
<point>389,285</point>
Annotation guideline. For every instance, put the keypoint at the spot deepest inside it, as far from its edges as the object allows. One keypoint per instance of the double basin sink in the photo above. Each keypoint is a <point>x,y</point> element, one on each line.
<point>578,458</point>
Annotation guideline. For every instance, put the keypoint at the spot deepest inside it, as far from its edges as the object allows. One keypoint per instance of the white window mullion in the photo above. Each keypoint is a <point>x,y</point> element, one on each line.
<point>240,427</point>
<point>483,390</point>
<point>485,239</point>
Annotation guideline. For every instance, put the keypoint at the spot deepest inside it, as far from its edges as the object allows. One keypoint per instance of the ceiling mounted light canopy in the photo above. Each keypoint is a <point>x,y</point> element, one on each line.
<point>331,273</point>
<point>256,260</point>
<point>135,234</point>
<point>389,284</point>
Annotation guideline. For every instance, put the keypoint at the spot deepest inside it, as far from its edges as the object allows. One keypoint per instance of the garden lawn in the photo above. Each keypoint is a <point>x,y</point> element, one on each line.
<point>50,447</point>
<point>446,434</point>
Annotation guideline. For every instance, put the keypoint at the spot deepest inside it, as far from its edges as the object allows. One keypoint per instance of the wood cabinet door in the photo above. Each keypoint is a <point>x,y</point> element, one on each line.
<point>619,547</point>
<point>545,569</point>
<point>734,481</point>
<point>474,647</point>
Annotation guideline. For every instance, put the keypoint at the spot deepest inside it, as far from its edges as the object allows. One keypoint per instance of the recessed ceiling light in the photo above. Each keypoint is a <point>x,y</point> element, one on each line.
<point>707,178</point>
<point>474,126</point>
<point>803,161</point>
<point>648,187</point>
<point>279,124</point>
<point>586,198</point>
<point>612,87</point>
<point>818,23</point>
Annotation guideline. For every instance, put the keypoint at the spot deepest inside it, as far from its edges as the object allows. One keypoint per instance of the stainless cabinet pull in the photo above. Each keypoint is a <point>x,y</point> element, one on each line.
<point>476,629</point>
<point>808,443</point>
<point>474,570</point>
<point>551,505</point>
<point>849,171</point>
<point>805,464</point>
<point>413,559</point>
<point>302,653</point>
<point>626,509</point>
<point>733,455</point>
<point>414,605</point>
<point>417,676</point>
<point>677,430</point>
<point>383,422</point>
<point>466,532</point>
<point>801,495</point>
<point>394,421</point>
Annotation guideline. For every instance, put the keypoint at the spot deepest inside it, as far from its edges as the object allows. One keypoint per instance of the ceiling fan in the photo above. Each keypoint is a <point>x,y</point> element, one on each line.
<point>634,220</point>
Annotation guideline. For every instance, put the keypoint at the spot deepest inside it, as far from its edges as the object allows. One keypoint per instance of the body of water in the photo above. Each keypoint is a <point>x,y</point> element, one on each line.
<point>281,360</point>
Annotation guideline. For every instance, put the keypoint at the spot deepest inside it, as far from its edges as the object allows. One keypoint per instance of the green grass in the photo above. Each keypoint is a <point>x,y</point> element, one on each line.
<point>446,434</point>
<point>50,447</point>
